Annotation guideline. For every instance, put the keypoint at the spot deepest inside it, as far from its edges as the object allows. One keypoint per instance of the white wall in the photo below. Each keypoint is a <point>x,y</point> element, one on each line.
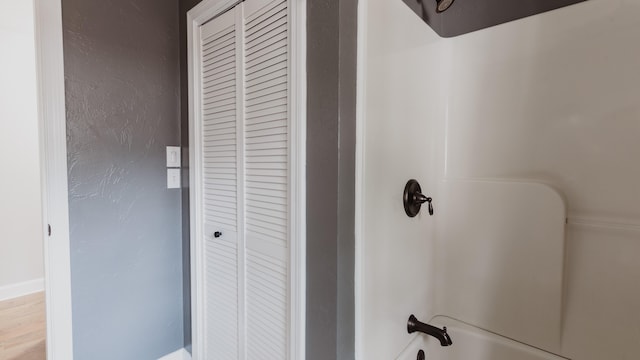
<point>20,208</point>
<point>548,99</point>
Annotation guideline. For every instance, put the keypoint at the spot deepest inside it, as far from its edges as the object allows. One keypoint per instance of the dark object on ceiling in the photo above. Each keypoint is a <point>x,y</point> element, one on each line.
<point>448,18</point>
<point>443,5</point>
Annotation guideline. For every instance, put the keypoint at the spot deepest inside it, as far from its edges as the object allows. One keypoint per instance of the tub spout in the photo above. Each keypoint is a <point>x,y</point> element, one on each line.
<point>414,325</point>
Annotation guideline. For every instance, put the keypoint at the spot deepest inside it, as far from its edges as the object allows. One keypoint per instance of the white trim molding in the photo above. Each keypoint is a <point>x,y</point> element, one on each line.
<point>202,13</point>
<point>53,158</point>
<point>298,161</point>
<point>360,170</point>
<point>13,291</point>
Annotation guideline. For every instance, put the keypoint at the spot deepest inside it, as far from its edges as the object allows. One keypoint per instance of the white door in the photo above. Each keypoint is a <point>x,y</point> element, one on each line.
<point>221,122</point>
<point>245,181</point>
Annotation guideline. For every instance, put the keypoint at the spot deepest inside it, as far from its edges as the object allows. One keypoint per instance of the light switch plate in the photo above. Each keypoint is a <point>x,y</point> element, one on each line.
<point>173,156</point>
<point>173,178</point>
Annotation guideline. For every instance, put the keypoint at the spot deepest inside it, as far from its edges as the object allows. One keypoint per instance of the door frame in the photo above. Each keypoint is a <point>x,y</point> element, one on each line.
<point>199,15</point>
<point>53,164</point>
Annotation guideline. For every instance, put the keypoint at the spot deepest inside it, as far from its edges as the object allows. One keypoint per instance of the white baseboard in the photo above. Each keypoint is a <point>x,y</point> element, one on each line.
<point>21,289</point>
<point>180,354</point>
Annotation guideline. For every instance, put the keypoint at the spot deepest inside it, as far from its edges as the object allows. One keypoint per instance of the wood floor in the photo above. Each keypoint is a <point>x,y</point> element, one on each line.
<point>23,328</point>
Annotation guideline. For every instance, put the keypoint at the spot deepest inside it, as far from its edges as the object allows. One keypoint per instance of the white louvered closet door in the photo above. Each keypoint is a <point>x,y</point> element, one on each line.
<point>221,121</point>
<point>246,176</point>
<point>266,64</point>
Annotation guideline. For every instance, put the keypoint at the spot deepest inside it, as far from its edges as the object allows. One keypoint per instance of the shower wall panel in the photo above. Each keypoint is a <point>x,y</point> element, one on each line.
<point>399,141</point>
<point>549,99</point>
<point>554,99</point>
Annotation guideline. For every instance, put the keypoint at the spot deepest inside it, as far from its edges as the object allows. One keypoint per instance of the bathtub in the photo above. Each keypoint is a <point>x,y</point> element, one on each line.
<point>470,343</point>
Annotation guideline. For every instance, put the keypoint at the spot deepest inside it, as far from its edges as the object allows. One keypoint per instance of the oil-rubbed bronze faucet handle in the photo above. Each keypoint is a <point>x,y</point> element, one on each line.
<point>413,199</point>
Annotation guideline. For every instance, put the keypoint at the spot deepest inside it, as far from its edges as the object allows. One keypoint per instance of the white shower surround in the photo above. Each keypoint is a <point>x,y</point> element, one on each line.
<point>551,99</point>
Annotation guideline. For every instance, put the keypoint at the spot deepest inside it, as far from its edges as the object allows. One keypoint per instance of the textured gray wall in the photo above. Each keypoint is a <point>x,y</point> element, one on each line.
<point>322,178</point>
<point>347,83</point>
<point>122,99</point>
<point>331,92</point>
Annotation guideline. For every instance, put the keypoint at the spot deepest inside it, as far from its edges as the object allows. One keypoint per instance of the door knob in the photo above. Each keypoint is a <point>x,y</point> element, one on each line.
<point>217,234</point>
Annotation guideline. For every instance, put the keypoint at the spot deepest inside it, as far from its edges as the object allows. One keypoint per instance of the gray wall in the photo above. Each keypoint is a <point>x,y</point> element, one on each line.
<point>331,100</point>
<point>122,99</point>
<point>347,84</point>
